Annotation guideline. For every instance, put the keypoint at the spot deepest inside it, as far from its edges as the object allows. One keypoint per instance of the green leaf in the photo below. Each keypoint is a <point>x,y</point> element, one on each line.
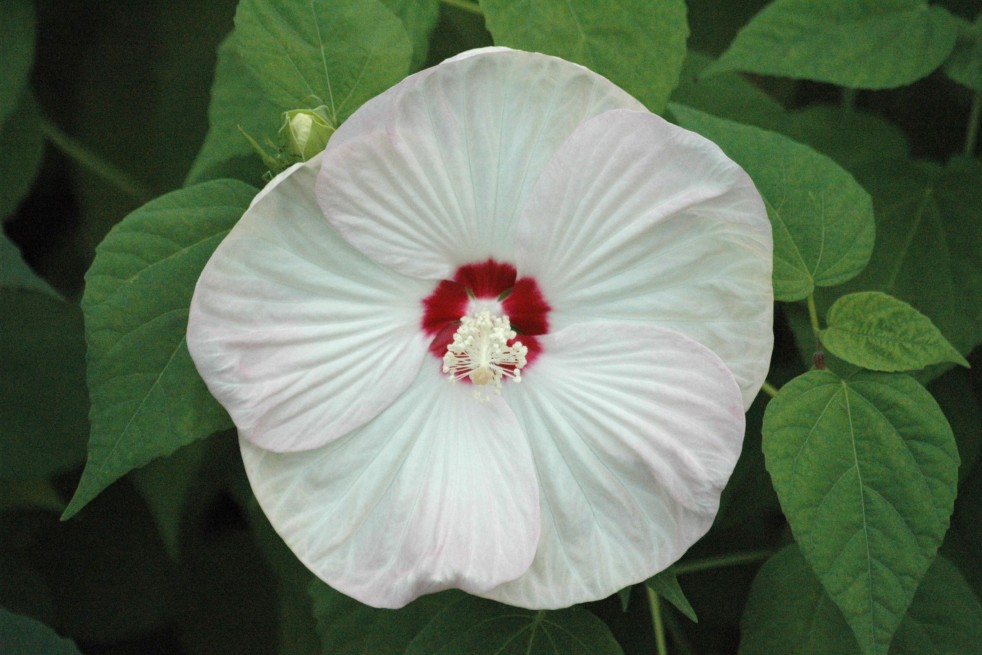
<point>43,355</point>
<point>789,612</point>
<point>23,147</point>
<point>965,64</point>
<point>822,219</point>
<point>347,627</point>
<point>337,53</point>
<point>866,470</point>
<point>478,627</point>
<point>963,409</point>
<point>22,635</point>
<point>879,332</point>
<point>17,23</point>
<point>945,617</point>
<point>859,44</point>
<point>849,136</point>
<point>727,95</point>
<point>16,274</point>
<point>237,101</point>
<point>928,231</point>
<point>666,585</point>
<point>637,44</point>
<point>147,397</point>
<point>418,18</point>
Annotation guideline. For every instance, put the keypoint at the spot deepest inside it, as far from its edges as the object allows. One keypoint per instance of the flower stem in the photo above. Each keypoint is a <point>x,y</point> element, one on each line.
<point>94,163</point>
<point>656,621</point>
<point>722,561</point>
<point>813,315</point>
<point>972,132</point>
<point>681,643</point>
<point>769,389</point>
<point>466,5</point>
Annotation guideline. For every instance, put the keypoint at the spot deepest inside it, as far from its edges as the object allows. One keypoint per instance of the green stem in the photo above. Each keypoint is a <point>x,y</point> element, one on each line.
<point>813,315</point>
<point>722,561</point>
<point>466,5</point>
<point>656,621</point>
<point>682,644</point>
<point>972,132</point>
<point>769,389</point>
<point>94,163</point>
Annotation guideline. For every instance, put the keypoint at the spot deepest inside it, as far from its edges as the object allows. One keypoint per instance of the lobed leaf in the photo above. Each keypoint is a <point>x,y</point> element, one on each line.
<point>859,44</point>
<point>147,398</point>
<point>637,44</point>
<point>866,470</point>
<point>879,332</point>
<point>822,219</point>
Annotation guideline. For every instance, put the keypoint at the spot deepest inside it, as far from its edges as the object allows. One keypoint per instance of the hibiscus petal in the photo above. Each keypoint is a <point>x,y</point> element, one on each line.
<point>300,336</point>
<point>433,173</point>
<point>637,219</point>
<point>634,430</point>
<point>439,491</point>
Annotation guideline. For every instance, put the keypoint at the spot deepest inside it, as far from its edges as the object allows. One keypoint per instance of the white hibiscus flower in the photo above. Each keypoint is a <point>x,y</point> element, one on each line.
<point>534,221</point>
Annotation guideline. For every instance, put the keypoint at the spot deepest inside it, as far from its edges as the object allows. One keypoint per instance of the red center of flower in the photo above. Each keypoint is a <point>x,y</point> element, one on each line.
<point>488,283</point>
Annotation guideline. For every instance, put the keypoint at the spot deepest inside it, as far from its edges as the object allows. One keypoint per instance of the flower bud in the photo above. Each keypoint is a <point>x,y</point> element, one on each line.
<point>307,131</point>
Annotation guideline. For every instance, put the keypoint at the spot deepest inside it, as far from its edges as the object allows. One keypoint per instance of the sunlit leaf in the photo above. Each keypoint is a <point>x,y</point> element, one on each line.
<point>866,470</point>
<point>483,627</point>
<point>637,44</point>
<point>337,53</point>
<point>861,44</point>
<point>822,218</point>
<point>879,332</point>
<point>147,398</point>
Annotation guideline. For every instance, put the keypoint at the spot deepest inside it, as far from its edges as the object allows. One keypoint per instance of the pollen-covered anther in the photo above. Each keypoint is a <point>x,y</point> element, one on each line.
<point>481,352</point>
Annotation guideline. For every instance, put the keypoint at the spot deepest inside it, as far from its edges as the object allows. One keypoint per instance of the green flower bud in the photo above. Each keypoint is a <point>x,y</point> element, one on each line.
<point>307,131</point>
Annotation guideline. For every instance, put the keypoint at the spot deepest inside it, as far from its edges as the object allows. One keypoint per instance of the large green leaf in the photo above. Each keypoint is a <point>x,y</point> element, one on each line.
<point>483,627</point>
<point>879,332</point>
<point>419,18</point>
<point>822,219</point>
<point>17,23</point>
<point>928,253</point>
<point>22,635</point>
<point>965,64</point>
<point>347,627</point>
<point>238,105</point>
<point>789,612</point>
<point>860,44</point>
<point>866,470</point>
<point>637,44</point>
<point>22,146</point>
<point>147,398</point>
<point>337,53</point>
